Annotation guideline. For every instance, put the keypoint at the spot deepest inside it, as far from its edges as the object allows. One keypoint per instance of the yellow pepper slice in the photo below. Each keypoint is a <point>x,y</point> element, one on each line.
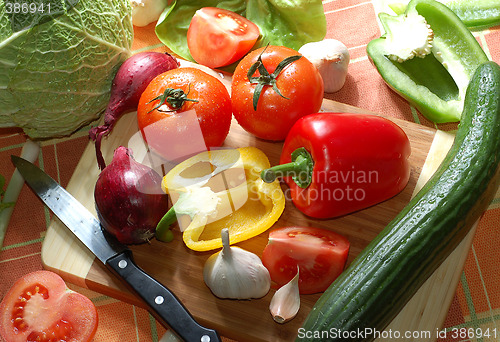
<point>221,189</point>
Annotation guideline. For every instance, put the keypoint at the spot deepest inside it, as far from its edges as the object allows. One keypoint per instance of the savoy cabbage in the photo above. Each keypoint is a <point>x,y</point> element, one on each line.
<point>56,70</point>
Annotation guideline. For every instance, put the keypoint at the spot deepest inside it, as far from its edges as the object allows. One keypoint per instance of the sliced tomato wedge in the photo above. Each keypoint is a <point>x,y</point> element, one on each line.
<point>39,307</point>
<point>320,254</point>
<point>217,37</point>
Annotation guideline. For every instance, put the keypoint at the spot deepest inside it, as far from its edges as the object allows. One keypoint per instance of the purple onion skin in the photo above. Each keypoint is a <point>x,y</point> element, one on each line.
<point>128,198</point>
<point>129,83</point>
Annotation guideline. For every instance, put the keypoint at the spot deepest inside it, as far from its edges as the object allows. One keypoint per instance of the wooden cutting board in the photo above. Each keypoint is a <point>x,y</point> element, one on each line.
<point>180,269</point>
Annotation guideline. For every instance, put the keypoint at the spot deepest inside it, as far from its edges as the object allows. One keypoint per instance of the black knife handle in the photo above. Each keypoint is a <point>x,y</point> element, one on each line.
<point>164,304</point>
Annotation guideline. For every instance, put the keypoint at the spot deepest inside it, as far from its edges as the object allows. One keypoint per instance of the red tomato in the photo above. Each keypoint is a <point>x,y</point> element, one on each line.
<point>217,37</point>
<point>299,83</point>
<point>320,254</point>
<point>176,131</point>
<point>39,305</point>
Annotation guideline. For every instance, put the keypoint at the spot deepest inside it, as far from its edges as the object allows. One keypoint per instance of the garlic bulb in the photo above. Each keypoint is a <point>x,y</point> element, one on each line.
<point>236,273</point>
<point>331,58</point>
<point>285,303</point>
<point>144,12</point>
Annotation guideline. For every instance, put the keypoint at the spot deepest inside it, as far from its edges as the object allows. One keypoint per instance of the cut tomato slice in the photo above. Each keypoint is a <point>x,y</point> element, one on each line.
<point>320,254</point>
<point>217,37</point>
<point>39,307</point>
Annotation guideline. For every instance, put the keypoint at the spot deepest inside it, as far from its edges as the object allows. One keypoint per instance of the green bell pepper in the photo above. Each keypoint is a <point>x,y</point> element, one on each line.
<point>447,55</point>
<point>476,14</point>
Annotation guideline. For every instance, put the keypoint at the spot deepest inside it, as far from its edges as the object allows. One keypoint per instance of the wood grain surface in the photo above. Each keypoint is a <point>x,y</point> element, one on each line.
<point>180,269</point>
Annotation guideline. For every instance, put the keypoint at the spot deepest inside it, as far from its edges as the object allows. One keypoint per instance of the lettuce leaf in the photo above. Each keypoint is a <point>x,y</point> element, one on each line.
<point>290,23</point>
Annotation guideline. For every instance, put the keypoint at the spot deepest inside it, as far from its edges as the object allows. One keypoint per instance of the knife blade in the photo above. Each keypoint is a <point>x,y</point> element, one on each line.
<point>163,304</point>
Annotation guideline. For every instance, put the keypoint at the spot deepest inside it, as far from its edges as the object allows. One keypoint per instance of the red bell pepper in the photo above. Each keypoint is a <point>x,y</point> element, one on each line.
<point>339,163</point>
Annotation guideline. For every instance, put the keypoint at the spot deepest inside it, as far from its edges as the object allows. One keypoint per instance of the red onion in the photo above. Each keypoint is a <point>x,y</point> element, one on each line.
<point>129,199</point>
<point>132,78</point>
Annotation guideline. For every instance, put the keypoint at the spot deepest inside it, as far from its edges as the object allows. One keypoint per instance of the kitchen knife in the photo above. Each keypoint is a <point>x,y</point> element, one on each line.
<point>117,257</point>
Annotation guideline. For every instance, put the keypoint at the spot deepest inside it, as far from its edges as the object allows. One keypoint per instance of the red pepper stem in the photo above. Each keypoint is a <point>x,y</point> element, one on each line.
<point>163,232</point>
<point>300,169</point>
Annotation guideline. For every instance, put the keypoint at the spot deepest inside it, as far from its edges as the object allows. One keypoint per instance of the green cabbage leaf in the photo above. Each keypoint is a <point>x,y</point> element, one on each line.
<point>56,69</point>
<point>290,23</point>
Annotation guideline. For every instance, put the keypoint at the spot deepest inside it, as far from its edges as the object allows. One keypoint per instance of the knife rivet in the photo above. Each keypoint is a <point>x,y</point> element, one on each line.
<point>159,300</point>
<point>122,264</point>
<point>205,338</point>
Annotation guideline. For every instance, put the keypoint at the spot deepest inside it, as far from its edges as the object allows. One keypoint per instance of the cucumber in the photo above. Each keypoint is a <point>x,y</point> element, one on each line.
<point>364,299</point>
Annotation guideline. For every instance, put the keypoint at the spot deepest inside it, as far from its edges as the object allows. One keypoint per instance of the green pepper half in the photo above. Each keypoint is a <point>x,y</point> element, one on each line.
<point>427,55</point>
<point>476,14</point>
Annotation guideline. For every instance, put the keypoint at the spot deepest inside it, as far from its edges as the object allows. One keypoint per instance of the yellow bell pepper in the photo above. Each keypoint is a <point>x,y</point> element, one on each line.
<point>220,189</point>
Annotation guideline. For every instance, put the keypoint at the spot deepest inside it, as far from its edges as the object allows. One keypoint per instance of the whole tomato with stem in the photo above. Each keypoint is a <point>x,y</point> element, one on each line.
<point>272,88</point>
<point>39,307</point>
<point>184,111</point>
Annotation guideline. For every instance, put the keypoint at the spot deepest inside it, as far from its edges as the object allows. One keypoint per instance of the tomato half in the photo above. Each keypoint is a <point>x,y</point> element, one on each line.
<point>39,307</point>
<point>217,37</point>
<point>300,92</point>
<point>320,254</point>
<point>193,118</point>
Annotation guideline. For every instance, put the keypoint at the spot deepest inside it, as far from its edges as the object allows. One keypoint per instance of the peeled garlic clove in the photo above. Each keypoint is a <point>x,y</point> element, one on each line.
<point>331,58</point>
<point>285,303</point>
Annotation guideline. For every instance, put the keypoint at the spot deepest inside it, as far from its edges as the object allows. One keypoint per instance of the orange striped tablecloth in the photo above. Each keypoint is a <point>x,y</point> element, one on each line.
<point>476,303</point>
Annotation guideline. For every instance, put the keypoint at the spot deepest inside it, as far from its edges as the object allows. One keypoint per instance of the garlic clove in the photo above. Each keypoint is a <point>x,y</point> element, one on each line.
<point>331,58</point>
<point>285,303</point>
<point>145,12</point>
